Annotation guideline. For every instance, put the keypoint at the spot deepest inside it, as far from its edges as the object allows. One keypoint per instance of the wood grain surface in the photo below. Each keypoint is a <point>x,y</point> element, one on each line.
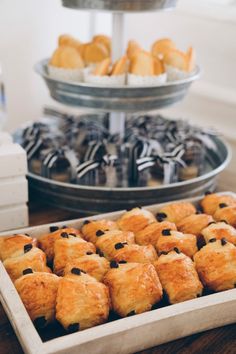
<point>220,341</point>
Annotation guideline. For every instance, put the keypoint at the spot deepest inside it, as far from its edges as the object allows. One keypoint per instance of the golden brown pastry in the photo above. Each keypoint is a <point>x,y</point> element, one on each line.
<point>135,220</point>
<point>211,202</point>
<point>66,57</point>
<point>226,213</point>
<point>82,302</point>
<point>136,254</point>
<point>102,68</point>
<point>91,227</point>
<point>178,277</point>
<point>194,224</point>
<point>120,66</point>
<point>67,40</point>
<point>92,264</point>
<point>13,245</point>
<point>110,242</point>
<point>218,231</point>
<point>151,233</point>
<point>38,293</point>
<point>216,265</point>
<point>33,258</point>
<point>175,212</point>
<point>95,52</point>
<point>180,60</point>
<point>186,243</point>
<point>132,49</point>
<point>104,40</point>
<point>134,287</point>
<point>159,67</point>
<point>162,46</point>
<point>46,242</point>
<point>142,63</point>
<point>67,249</point>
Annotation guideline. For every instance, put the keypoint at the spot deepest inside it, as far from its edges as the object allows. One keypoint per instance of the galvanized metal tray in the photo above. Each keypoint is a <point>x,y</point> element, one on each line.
<point>120,5</point>
<point>92,200</point>
<point>122,98</point>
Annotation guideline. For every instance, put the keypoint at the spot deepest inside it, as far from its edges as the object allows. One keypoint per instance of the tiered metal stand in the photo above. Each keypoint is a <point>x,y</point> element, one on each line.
<point>120,101</point>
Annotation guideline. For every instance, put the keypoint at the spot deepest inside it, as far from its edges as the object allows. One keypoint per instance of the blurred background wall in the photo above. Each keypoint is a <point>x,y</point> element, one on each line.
<point>29,31</point>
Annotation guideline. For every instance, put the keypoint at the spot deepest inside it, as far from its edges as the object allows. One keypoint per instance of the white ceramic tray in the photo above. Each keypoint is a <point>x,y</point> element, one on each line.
<point>126,335</point>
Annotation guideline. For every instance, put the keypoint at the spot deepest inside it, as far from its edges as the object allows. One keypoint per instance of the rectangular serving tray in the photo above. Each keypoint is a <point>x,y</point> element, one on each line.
<point>123,336</point>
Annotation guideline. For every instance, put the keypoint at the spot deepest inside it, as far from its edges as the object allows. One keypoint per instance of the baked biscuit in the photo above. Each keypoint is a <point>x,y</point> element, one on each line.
<point>33,258</point>
<point>104,40</point>
<point>194,224</point>
<point>227,213</point>
<point>135,220</point>
<point>102,68</point>
<point>186,243</point>
<point>132,49</point>
<point>67,249</point>
<point>162,46</point>
<point>109,242</point>
<point>216,265</point>
<point>67,40</point>
<point>120,66</point>
<point>46,242</point>
<point>38,293</point>
<point>136,254</point>
<point>13,245</point>
<point>151,233</point>
<point>177,59</point>
<point>175,212</point>
<point>178,277</point>
<point>92,264</point>
<point>211,202</point>
<point>158,66</point>
<point>134,287</point>
<point>218,231</point>
<point>142,64</point>
<point>67,58</point>
<point>95,53</point>
<point>91,227</point>
<point>82,302</point>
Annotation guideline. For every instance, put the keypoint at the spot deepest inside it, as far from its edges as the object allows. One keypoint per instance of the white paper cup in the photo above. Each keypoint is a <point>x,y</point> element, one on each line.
<point>174,74</point>
<point>138,80</point>
<point>65,74</point>
<point>115,80</point>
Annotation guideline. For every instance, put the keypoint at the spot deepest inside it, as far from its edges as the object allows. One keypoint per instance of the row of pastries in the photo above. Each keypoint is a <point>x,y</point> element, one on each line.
<point>78,276</point>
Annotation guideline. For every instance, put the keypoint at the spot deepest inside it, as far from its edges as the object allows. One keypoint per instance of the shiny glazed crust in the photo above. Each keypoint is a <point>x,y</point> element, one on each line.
<point>194,224</point>
<point>46,242</point>
<point>218,231</point>
<point>135,220</point>
<point>81,301</point>
<point>93,265</point>
<point>178,211</point>
<point>186,243</point>
<point>136,254</point>
<point>90,228</point>
<point>134,288</point>
<point>12,246</point>
<point>151,233</point>
<point>216,265</point>
<point>107,243</point>
<point>228,214</point>
<point>210,202</point>
<point>178,277</point>
<point>34,259</point>
<point>69,249</point>
<point>38,292</point>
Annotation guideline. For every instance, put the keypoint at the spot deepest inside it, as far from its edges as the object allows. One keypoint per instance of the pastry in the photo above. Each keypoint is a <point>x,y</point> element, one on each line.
<point>32,258</point>
<point>109,242</point>
<point>120,66</point>
<point>142,64</point>
<point>216,265</point>
<point>102,68</point>
<point>94,53</point>
<point>194,224</point>
<point>161,47</point>
<point>151,233</point>
<point>135,220</point>
<point>186,243</point>
<point>211,202</point>
<point>13,245</point>
<point>92,264</point>
<point>159,68</point>
<point>178,277</point>
<point>38,293</point>
<point>135,254</point>
<point>134,287</point>
<point>179,65</point>
<point>226,213</point>
<point>46,242</point>
<point>175,212</point>
<point>67,40</point>
<point>91,227</point>
<point>82,302</point>
<point>218,231</point>
<point>104,40</point>
<point>69,248</point>
<point>132,49</point>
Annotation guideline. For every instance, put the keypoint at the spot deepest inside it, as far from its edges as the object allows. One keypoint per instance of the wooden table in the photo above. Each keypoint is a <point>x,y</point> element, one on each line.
<point>221,340</point>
